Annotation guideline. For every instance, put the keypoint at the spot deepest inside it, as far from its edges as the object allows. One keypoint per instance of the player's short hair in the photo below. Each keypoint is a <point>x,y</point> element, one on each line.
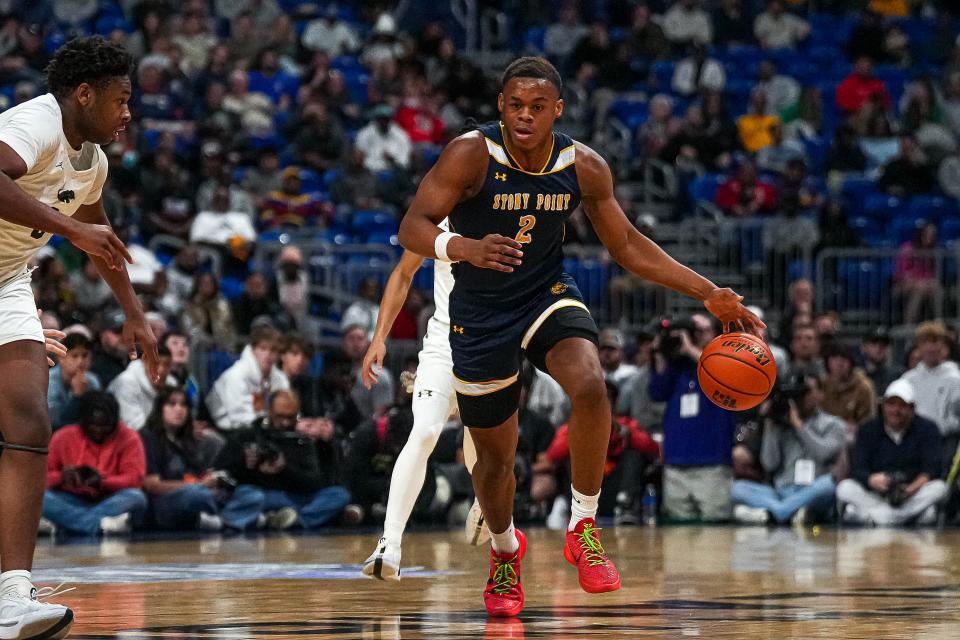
<point>92,60</point>
<point>532,67</point>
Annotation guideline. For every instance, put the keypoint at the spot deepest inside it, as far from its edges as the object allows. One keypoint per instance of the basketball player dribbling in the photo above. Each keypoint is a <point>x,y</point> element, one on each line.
<point>507,190</point>
<point>433,402</point>
<point>52,172</point>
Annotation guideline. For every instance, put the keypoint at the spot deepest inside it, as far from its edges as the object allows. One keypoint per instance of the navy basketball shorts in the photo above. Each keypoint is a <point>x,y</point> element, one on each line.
<point>488,343</point>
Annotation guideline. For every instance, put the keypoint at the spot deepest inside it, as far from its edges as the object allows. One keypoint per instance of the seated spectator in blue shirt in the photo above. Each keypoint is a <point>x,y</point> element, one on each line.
<point>297,473</point>
<point>154,98</point>
<point>184,491</point>
<point>70,380</point>
<point>267,78</point>
<point>800,445</point>
<point>896,466</point>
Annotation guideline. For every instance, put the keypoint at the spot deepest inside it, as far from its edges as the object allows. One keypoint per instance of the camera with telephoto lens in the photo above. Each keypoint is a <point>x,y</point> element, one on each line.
<point>793,387</point>
<point>897,494</point>
<point>670,341</point>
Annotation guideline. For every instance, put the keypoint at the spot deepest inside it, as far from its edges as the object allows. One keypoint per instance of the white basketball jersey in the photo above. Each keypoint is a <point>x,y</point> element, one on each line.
<point>34,130</point>
<point>438,328</point>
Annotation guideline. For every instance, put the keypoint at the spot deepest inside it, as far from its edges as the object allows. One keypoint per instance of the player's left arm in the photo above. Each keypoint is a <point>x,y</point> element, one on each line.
<point>643,257</point>
<point>136,330</point>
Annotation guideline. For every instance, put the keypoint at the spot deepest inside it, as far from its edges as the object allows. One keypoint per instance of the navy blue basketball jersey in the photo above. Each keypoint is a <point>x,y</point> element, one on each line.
<point>530,207</point>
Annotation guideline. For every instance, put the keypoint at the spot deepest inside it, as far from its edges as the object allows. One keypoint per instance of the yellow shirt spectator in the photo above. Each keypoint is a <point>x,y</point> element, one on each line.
<point>891,8</point>
<point>755,131</point>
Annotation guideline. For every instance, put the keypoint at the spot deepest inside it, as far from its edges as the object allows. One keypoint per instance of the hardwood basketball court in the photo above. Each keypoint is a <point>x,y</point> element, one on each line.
<point>678,582</point>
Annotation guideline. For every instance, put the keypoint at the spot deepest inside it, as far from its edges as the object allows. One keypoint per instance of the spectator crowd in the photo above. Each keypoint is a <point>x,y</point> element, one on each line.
<point>265,122</point>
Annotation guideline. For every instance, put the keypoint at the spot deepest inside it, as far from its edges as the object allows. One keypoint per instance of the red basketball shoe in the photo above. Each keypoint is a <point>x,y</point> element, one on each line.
<point>503,595</point>
<point>583,549</point>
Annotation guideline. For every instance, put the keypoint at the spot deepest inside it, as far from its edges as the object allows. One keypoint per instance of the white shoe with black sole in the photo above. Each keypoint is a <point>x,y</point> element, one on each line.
<point>26,618</point>
<point>475,528</point>
<point>384,562</point>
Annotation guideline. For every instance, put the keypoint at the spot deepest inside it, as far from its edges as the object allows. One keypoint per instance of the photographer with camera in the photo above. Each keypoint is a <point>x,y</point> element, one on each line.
<point>799,445</point>
<point>295,471</point>
<point>895,463</point>
<point>697,434</point>
<point>185,491</point>
<point>94,472</point>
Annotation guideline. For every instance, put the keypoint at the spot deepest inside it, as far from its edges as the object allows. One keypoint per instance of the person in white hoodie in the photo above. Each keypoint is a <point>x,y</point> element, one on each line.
<point>135,392</point>
<point>936,381</point>
<point>240,395</point>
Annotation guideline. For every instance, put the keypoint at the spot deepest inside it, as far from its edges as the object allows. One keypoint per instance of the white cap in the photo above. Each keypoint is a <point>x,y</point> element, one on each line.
<point>902,389</point>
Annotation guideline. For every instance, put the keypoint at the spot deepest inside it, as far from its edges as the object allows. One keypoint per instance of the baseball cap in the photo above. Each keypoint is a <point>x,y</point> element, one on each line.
<point>611,338</point>
<point>902,389</point>
<point>114,322</point>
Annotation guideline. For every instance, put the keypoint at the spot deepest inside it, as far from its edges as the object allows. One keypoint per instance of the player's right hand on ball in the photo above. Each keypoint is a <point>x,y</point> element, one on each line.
<point>99,240</point>
<point>495,252</point>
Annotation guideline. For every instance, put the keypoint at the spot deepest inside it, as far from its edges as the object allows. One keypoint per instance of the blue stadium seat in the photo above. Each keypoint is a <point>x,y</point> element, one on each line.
<point>315,368</point>
<point>329,176</point>
<point>231,287</point>
<point>310,180</point>
<point>535,38</point>
<point>53,41</point>
<point>881,205</point>
<point>109,23</point>
<point>663,70</point>
<point>903,229</point>
<point>423,278</point>
<point>217,363</point>
<point>855,192</point>
<point>632,113</point>
<point>949,229</point>
<point>817,150</point>
<point>371,221</point>
<point>384,237</point>
<point>933,207</point>
<point>705,187</point>
<point>342,63</point>
<point>871,230</point>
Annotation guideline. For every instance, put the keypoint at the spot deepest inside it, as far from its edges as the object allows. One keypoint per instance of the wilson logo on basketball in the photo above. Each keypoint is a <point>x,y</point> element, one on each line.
<point>758,352</point>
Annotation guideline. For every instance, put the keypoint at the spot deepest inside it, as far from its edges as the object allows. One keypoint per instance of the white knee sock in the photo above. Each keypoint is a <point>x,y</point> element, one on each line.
<point>406,482</point>
<point>505,542</point>
<point>581,507</point>
<point>16,581</point>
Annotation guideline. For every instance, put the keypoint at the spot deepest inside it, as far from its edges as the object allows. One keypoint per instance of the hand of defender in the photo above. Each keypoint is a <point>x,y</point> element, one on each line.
<point>99,240</point>
<point>727,306</point>
<point>136,331</point>
<point>373,363</point>
<point>52,338</point>
<point>495,252</point>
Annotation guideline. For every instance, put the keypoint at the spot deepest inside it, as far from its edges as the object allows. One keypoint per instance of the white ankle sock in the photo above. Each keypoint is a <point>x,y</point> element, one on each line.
<point>581,507</point>
<point>505,542</point>
<point>393,531</point>
<point>19,581</point>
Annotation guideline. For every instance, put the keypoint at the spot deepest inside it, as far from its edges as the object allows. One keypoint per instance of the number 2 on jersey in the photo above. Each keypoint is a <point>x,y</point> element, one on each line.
<point>526,224</point>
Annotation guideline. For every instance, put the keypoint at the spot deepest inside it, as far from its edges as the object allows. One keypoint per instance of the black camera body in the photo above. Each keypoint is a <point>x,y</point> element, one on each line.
<point>670,342</point>
<point>897,494</point>
<point>793,387</point>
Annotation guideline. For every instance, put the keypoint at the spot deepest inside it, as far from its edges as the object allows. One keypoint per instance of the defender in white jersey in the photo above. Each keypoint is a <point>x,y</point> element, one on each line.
<point>52,173</point>
<point>433,402</point>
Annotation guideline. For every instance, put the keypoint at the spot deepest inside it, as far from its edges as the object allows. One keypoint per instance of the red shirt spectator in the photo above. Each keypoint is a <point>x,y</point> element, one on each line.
<point>420,122</point>
<point>626,434</point>
<point>858,88</point>
<point>745,195</point>
<point>119,459</point>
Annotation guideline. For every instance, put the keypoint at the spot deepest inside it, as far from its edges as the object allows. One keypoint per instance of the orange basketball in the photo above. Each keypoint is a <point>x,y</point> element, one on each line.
<point>737,371</point>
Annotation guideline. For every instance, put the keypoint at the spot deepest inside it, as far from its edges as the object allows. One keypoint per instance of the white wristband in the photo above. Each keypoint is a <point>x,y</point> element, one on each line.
<point>440,245</point>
